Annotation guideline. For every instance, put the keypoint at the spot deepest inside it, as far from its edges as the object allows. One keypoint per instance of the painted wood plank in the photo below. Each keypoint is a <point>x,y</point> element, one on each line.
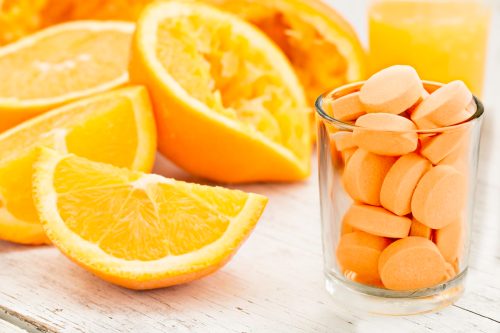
<point>10,328</point>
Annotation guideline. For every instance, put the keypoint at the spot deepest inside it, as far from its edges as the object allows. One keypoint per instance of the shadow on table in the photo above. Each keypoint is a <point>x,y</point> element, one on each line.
<point>6,247</point>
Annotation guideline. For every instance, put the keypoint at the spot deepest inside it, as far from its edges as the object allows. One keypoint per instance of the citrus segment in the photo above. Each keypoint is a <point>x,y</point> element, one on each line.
<point>229,106</point>
<point>139,230</point>
<point>115,127</point>
<point>61,64</point>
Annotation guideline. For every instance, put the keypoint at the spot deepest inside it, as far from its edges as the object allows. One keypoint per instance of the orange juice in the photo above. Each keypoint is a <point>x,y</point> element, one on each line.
<point>444,40</point>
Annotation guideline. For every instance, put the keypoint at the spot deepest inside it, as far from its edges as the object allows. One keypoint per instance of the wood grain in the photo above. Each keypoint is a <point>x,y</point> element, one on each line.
<point>273,284</point>
<point>11,328</point>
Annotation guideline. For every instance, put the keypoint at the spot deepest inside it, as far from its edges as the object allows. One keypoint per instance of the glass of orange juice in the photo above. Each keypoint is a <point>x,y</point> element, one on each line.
<point>444,40</point>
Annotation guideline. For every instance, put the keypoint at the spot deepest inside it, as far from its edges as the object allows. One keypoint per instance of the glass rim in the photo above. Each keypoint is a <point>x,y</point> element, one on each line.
<point>354,87</point>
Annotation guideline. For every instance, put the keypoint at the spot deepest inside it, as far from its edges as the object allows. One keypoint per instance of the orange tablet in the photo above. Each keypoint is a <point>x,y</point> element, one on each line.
<point>445,106</point>
<point>401,181</point>
<point>440,197</point>
<point>393,90</point>
<point>364,174</point>
<point>343,140</point>
<point>347,107</point>
<point>436,148</point>
<point>420,230</point>
<point>377,221</point>
<point>385,134</point>
<point>411,263</point>
<point>450,240</point>
<point>359,252</point>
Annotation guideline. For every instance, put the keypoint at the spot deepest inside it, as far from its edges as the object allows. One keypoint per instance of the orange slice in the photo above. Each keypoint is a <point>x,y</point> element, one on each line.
<point>321,45</point>
<point>115,127</point>
<point>137,230</point>
<point>61,64</point>
<point>228,105</point>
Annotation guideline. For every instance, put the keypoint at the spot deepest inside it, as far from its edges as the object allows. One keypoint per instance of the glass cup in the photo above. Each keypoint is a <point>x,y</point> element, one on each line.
<point>359,223</point>
<point>444,40</point>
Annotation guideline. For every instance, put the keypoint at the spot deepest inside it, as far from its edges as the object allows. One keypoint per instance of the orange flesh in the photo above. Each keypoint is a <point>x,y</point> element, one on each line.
<point>18,18</point>
<point>16,164</point>
<point>324,67</point>
<point>141,220</point>
<point>241,85</point>
<point>55,71</point>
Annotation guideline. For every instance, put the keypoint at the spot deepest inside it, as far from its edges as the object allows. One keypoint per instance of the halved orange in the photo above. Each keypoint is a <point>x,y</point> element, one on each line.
<point>321,45</point>
<point>115,127</point>
<point>137,230</point>
<point>61,64</point>
<point>228,105</point>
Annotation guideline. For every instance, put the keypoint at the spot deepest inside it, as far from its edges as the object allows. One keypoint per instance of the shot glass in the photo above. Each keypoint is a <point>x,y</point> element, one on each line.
<point>370,211</point>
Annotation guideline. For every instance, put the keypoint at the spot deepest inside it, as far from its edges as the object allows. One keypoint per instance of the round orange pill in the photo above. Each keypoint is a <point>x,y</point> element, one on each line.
<point>359,252</point>
<point>458,158</point>
<point>401,181</point>
<point>439,198</point>
<point>364,174</point>
<point>435,149</point>
<point>346,228</point>
<point>411,263</point>
<point>367,280</point>
<point>450,240</point>
<point>392,90</point>
<point>347,107</point>
<point>385,134</point>
<point>445,106</point>
<point>377,221</point>
<point>347,154</point>
<point>423,96</point>
<point>450,271</point>
<point>424,123</point>
<point>420,230</point>
<point>343,140</point>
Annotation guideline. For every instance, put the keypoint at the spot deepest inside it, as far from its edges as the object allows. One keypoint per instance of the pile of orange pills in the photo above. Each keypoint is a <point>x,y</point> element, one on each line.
<point>405,168</point>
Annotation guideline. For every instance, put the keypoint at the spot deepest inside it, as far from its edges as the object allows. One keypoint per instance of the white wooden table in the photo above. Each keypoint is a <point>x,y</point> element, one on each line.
<point>274,284</point>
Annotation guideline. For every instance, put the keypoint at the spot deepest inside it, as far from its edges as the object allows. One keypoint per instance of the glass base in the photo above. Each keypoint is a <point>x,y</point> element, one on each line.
<point>394,303</point>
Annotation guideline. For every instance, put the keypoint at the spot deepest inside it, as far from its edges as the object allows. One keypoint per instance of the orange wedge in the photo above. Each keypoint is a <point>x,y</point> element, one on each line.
<point>137,230</point>
<point>115,127</point>
<point>228,105</point>
<point>321,45</point>
<point>61,64</point>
